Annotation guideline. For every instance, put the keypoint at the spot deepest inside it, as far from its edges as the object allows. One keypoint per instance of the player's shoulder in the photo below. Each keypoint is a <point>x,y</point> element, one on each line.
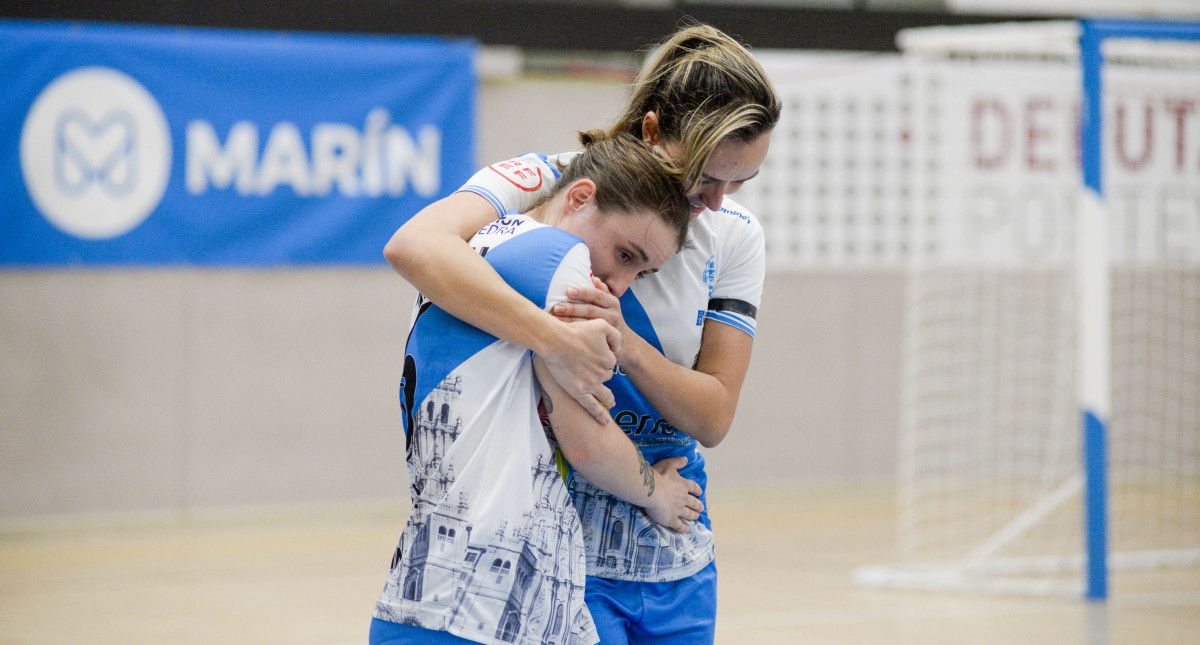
<point>730,225</point>
<point>528,172</point>
<point>531,171</point>
<point>532,257</point>
<point>523,235</point>
<point>735,214</point>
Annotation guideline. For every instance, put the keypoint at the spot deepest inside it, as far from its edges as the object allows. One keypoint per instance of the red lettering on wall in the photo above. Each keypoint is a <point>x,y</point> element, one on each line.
<point>1036,132</point>
<point>1123,156</point>
<point>990,112</point>
<point>1180,108</point>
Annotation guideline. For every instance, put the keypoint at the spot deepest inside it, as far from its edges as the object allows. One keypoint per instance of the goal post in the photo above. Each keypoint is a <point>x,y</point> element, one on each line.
<point>1095,285</point>
<point>1094,317</point>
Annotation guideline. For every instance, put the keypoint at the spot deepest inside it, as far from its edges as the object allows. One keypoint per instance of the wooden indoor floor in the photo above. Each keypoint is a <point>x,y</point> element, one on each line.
<point>311,576</point>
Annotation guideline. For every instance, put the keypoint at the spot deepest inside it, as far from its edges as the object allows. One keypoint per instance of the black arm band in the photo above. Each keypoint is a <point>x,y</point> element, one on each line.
<point>731,304</point>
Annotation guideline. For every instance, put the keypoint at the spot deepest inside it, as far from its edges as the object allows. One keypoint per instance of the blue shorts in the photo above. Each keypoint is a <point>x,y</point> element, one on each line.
<point>679,612</point>
<point>385,633</point>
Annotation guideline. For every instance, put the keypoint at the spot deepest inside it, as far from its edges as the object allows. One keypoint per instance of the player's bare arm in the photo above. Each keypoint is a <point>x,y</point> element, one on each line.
<point>608,459</point>
<point>700,401</point>
<point>431,252</point>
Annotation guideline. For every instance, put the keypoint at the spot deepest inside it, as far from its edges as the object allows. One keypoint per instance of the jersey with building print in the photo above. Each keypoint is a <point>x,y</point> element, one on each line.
<point>718,277</point>
<point>493,551</point>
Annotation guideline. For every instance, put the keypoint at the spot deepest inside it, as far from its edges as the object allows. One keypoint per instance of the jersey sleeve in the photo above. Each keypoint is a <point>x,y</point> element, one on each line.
<point>574,270</point>
<point>738,290</point>
<point>514,185</point>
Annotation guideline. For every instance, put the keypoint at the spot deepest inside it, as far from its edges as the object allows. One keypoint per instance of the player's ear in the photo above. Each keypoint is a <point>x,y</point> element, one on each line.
<point>580,194</point>
<point>651,135</point>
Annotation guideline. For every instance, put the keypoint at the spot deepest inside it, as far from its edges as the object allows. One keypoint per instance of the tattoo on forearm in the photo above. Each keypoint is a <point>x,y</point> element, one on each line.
<point>646,471</point>
<point>545,404</point>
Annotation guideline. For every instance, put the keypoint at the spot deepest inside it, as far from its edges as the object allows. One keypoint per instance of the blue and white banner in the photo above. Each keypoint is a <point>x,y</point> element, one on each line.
<point>138,145</point>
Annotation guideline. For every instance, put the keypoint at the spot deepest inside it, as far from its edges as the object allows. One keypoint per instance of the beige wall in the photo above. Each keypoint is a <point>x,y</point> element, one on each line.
<point>174,390</point>
<point>821,401</point>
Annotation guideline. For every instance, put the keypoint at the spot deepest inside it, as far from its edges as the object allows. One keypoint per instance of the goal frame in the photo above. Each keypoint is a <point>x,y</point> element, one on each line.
<point>1094,280</point>
<point>980,570</point>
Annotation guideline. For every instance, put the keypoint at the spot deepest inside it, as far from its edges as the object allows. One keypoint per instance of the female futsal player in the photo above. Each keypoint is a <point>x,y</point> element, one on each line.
<point>493,550</point>
<point>684,334</point>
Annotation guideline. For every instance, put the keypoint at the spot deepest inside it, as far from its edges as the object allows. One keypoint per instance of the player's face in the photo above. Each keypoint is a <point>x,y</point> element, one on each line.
<point>623,246</point>
<point>732,164</point>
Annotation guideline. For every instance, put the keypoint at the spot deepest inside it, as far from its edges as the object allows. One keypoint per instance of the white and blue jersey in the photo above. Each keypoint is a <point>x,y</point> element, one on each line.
<point>718,276</point>
<point>493,551</point>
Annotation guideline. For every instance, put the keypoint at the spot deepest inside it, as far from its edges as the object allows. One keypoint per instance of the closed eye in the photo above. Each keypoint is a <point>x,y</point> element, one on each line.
<point>708,179</point>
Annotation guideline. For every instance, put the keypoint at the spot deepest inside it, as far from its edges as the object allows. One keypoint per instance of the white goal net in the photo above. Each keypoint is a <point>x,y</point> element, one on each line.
<point>991,457</point>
